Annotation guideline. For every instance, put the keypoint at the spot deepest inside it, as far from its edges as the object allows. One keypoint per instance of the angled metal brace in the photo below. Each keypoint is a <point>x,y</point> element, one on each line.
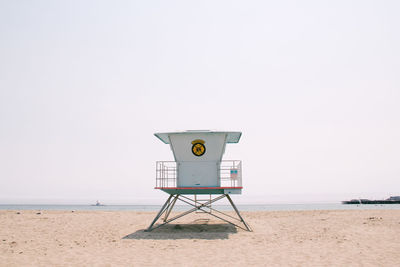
<point>212,209</point>
<point>168,206</point>
<point>182,214</point>
<point>221,218</point>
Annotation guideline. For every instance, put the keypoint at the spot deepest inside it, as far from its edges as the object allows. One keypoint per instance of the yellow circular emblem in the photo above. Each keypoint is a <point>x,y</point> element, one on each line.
<point>198,148</point>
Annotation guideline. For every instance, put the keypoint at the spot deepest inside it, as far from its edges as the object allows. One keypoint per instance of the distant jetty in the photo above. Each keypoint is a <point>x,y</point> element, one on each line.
<point>390,200</point>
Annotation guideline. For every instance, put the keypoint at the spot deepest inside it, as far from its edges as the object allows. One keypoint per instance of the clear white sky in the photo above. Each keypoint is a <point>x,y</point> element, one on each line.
<point>313,85</point>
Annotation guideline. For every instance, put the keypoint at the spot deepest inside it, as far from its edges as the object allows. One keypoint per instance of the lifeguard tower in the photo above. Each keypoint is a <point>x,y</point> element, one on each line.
<point>199,171</point>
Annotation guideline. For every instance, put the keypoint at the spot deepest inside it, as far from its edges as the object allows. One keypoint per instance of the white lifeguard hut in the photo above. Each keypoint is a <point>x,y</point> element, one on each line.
<point>198,170</point>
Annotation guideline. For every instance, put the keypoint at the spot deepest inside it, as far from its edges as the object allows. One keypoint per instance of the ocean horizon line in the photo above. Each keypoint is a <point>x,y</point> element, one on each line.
<point>180,207</point>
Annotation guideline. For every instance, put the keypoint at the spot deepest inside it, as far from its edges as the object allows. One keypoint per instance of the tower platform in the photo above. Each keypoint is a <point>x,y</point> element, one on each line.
<point>201,190</point>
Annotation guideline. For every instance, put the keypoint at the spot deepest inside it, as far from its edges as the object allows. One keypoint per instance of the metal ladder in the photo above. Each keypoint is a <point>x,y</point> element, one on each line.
<point>202,201</point>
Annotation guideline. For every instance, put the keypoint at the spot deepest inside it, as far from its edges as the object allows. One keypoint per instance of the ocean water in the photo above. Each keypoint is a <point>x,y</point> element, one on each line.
<point>263,207</point>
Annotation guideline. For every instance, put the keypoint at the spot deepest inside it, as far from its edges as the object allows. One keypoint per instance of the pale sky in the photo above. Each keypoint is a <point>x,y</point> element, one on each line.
<point>313,85</point>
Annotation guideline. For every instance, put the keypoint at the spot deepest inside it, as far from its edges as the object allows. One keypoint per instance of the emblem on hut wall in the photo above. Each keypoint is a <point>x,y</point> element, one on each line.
<point>198,147</point>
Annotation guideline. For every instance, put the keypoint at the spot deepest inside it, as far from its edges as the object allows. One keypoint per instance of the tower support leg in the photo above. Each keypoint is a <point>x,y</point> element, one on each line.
<point>168,206</point>
<point>160,213</point>
<point>171,207</point>
<point>238,214</point>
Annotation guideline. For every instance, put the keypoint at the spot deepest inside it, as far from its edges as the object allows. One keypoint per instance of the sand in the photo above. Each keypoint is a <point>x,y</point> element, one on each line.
<point>284,238</point>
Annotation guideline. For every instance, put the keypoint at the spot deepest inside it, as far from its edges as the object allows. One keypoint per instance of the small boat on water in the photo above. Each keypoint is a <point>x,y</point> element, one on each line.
<point>390,200</point>
<point>97,204</point>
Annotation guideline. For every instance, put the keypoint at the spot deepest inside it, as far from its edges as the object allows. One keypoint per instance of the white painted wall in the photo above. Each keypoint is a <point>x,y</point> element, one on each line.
<point>198,171</point>
<point>181,144</point>
<point>198,174</point>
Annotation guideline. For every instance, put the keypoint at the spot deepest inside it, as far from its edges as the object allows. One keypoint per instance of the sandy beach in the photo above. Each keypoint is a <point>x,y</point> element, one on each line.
<point>282,238</point>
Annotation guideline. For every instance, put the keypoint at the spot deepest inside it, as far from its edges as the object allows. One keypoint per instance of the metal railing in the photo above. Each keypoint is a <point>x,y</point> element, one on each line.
<point>230,173</point>
<point>166,174</point>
